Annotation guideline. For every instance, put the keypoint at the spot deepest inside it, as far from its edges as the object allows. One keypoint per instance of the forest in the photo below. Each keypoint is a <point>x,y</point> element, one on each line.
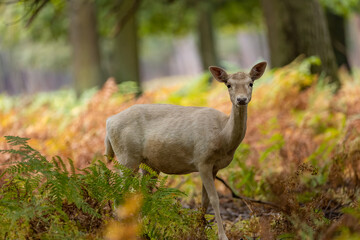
<point>67,66</point>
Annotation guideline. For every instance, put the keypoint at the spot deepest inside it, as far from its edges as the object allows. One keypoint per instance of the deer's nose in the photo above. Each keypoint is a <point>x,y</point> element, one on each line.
<point>241,100</point>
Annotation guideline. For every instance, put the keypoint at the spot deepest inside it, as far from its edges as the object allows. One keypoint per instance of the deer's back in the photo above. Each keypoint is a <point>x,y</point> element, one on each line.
<point>164,134</point>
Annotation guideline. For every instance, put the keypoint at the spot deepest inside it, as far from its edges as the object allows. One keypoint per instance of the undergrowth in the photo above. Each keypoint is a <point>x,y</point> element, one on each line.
<point>301,153</point>
<point>51,199</point>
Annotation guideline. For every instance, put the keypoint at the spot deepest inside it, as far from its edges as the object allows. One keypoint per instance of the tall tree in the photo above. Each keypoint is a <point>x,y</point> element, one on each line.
<point>206,37</point>
<point>336,24</point>
<point>85,45</point>
<point>125,66</point>
<point>299,27</point>
<point>181,17</point>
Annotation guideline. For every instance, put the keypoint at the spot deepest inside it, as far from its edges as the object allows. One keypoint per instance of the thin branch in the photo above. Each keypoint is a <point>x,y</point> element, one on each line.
<point>234,195</point>
<point>16,21</point>
<point>32,17</point>
<point>36,12</point>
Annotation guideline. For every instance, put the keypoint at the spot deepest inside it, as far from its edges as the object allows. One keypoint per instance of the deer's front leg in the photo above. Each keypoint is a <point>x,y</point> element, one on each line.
<point>205,198</point>
<point>206,174</point>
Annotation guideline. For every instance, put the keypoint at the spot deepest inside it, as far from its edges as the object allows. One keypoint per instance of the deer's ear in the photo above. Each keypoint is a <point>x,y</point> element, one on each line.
<point>257,70</point>
<point>219,74</point>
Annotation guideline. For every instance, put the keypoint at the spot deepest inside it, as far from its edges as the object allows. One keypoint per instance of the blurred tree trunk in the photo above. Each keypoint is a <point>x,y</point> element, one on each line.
<point>299,27</point>
<point>338,38</point>
<point>85,45</point>
<point>125,65</point>
<point>206,38</point>
<point>3,74</point>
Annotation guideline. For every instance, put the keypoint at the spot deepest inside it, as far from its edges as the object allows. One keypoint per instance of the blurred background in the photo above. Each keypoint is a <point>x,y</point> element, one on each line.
<point>51,44</point>
<point>66,66</point>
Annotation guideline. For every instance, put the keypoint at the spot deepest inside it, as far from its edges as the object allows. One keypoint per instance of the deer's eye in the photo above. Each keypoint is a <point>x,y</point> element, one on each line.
<point>228,86</point>
<point>251,84</point>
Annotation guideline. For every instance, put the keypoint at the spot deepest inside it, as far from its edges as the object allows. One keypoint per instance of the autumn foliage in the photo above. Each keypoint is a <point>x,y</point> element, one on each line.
<point>301,151</point>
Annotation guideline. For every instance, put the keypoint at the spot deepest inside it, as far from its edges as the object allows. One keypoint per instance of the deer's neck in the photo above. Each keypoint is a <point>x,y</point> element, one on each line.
<point>235,128</point>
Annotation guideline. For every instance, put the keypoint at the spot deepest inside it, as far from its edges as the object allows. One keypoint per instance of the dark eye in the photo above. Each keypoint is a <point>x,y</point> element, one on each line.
<point>251,84</point>
<point>228,86</point>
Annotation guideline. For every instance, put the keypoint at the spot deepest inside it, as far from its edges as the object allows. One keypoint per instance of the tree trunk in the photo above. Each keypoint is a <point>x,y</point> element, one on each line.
<point>299,27</point>
<point>338,40</point>
<point>3,75</point>
<point>207,45</point>
<point>125,65</point>
<point>282,46</point>
<point>85,45</point>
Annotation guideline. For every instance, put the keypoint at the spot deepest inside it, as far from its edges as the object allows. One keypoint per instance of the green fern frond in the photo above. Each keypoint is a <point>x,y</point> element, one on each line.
<point>17,141</point>
<point>37,192</point>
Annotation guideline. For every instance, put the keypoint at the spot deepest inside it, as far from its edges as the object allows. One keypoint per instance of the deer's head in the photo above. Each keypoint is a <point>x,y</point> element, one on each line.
<point>239,84</point>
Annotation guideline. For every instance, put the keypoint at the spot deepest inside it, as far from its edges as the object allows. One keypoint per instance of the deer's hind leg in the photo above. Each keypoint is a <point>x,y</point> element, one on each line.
<point>127,157</point>
<point>132,163</point>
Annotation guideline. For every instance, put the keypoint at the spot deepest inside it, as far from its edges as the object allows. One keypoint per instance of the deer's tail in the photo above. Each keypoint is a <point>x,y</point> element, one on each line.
<point>109,152</point>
